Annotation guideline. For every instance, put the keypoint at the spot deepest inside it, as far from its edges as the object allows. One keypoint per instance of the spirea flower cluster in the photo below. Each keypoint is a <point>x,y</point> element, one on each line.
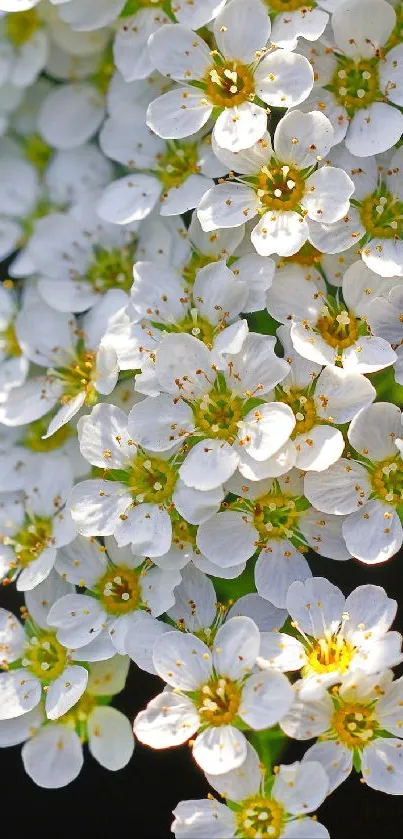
<point>201,361</point>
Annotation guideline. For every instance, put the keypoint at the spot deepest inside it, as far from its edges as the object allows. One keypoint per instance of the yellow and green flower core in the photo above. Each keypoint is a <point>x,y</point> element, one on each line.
<point>119,590</point>
<point>279,6</point>
<point>355,83</point>
<point>229,83</point>
<point>196,262</point>
<point>218,701</point>
<point>34,432</point>
<point>110,268</point>
<point>218,414</point>
<point>354,723</point>
<point>303,408</point>
<point>382,214</point>
<point>45,657</point>
<point>77,717</point>
<point>307,257</point>
<point>34,537</point>
<point>175,165</point>
<point>332,654</point>
<point>279,186</point>
<point>150,479</point>
<point>338,326</point>
<point>78,376</point>
<point>20,28</point>
<point>387,480</point>
<point>37,151</point>
<point>275,515</point>
<point>260,818</point>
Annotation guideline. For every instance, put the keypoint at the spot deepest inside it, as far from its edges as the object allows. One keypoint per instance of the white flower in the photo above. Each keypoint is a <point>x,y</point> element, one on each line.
<point>120,589</point>
<point>320,400</point>
<point>139,491</point>
<point>80,363</point>
<point>211,690</point>
<point>228,80</point>
<point>374,223</point>
<point>53,752</point>
<point>368,488</point>
<point>358,725</point>
<point>79,257</point>
<point>273,518</point>
<point>40,526</point>
<point>335,636</point>
<point>283,186</point>
<point>363,76</point>
<point>161,304</point>
<point>176,176</point>
<point>214,408</point>
<point>331,330</point>
<point>37,667</point>
<point>130,49</point>
<point>275,806</point>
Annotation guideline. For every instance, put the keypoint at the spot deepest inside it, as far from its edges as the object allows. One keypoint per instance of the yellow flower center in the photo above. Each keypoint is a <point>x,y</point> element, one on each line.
<point>355,84</point>
<point>45,657</point>
<point>330,655</point>
<point>119,590</point>
<point>183,534</point>
<point>217,415</point>
<point>78,377</point>
<point>218,701</point>
<point>260,818</point>
<point>199,327</point>
<point>387,480</point>
<point>228,84</point>
<point>177,163</point>
<point>31,540</point>
<point>355,724</point>
<point>307,256</point>
<point>275,517</point>
<point>33,436</point>
<point>382,216</point>
<point>151,479</point>
<point>20,27</point>
<point>279,187</point>
<point>303,409</point>
<point>37,151</point>
<point>339,328</point>
<point>111,268</point>
<point>77,717</point>
<point>9,343</point>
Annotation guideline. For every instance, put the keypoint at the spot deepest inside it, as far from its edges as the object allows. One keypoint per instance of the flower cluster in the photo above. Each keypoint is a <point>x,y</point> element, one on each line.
<point>201,361</point>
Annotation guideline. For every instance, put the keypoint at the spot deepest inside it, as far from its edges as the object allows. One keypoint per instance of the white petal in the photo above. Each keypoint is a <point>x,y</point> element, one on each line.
<point>37,571</point>
<point>306,720</point>
<point>209,464</point>
<point>140,639</point>
<point>374,430</point>
<point>242,29</point>
<point>240,127</point>
<point>308,828</point>
<point>236,647</point>
<point>264,614</point>
<point>195,600</point>
<point>129,199</point>
<point>264,431</point>
<point>147,528</point>
<point>179,53</point>
<point>315,605</point>
<point>159,424</point>
<point>284,79</point>
<point>371,611</point>
<point>96,506</point>
<point>374,129</point>
<point>186,196</point>
<point>227,539</point>
<point>241,783</point>
<point>278,565</point>
<point>179,113</point>
<point>337,237</point>
<point>20,692</point>
<point>16,731</point>
<point>302,138</point>
<point>70,115</point>
<point>306,23</point>
<point>341,395</point>
<point>327,196</point>
<point>373,534</point>
<point>40,599</point>
<point>227,205</point>
<point>183,661</point>
<point>110,738</point>
<point>182,364</point>
<point>278,232</point>
<point>281,651</point>
<point>54,757</point>
<point>220,749</point>
<point>318,448</point>
<point>323,533</point>
<point>65,691</point>
<point>301,787</point>
<point>370,22</point>
<point>12,637</point>
<point>108,677</point>
<point>335,758</point>
<point>78,618</point>
<point>341,489</point>
<point>195,506</point>
<point>382,765</point>
<point>266,697</point>
<point>390,75</point>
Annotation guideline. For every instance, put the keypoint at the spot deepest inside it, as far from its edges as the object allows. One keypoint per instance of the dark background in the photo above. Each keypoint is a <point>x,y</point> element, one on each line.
<point>138,800</point>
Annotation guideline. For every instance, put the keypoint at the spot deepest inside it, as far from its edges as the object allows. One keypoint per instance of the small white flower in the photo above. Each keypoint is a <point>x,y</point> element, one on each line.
<point>140,494</point>
<point>228,79</point>
<point>122,594</point>
<point>41,525</point>
<point>368,488</point>
<point>335,636</point>
<point>331,330</point>
<point>214,408</point>
<point>273,518</point>
<point>275,806</point>
<point>53,752</point>
<point>212,688</point>
<point>283,186</point>
<point>360,724</point>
